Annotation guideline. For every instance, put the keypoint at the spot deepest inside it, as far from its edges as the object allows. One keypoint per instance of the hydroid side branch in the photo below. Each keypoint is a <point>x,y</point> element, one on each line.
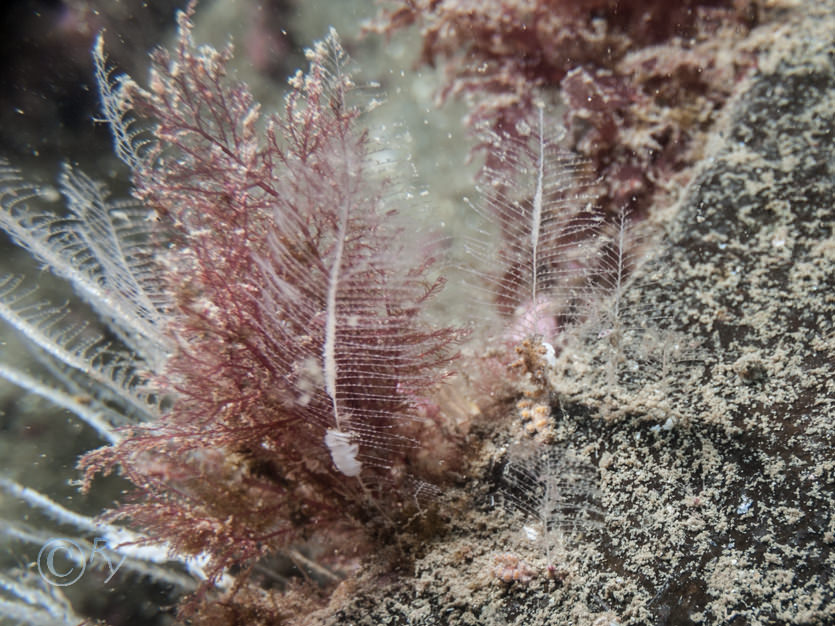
<point>537,194</point>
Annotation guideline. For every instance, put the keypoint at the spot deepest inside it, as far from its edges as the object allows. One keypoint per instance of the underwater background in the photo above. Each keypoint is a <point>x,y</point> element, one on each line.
<point>703,414</point>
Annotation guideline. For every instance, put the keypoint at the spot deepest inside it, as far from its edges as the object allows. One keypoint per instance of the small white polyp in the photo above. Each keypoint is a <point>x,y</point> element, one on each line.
<point>550,355</point>
<point>531,533</point>
<point>343,452</point>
